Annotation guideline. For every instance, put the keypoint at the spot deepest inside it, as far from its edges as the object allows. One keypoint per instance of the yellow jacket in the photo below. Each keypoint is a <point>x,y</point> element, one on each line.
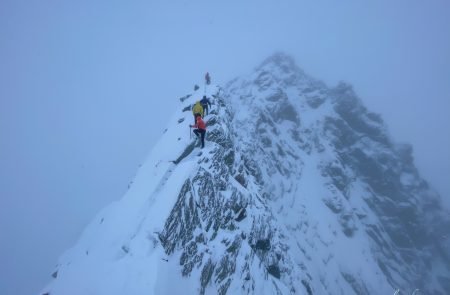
<point>197,109</point>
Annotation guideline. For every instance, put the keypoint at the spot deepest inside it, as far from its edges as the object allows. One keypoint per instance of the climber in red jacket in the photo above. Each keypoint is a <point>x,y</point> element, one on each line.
<point>200,126</point>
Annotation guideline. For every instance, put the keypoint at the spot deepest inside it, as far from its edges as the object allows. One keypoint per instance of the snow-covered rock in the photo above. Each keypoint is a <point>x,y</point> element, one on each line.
<point>299,190</point>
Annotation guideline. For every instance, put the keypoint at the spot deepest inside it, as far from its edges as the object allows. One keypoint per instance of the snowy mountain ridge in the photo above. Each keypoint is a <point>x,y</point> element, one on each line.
<point>299,190</point>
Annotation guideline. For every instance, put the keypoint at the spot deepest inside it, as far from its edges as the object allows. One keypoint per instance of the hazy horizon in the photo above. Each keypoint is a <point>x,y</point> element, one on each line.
<point>86,89</point>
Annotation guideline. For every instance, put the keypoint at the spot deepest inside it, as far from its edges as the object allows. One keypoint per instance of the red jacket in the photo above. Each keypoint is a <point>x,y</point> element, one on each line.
<point>200,123</point>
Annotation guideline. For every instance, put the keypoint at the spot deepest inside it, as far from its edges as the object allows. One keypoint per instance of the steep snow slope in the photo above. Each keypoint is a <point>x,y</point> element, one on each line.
<point>118,253</point>
<point>299,190</point>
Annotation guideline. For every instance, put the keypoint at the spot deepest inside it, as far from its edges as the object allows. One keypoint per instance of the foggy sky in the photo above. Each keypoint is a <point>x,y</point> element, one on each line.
<point>87,87</point>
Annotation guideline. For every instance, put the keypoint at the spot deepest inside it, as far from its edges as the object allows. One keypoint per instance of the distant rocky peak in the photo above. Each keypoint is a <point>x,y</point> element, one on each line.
<point>280,67</point>
<point>280,59</point>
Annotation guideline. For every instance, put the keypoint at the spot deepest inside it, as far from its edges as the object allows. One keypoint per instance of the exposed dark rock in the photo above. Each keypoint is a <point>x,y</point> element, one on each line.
<point>307,287</point>
<point>224,269</point>
<point>254,170</point>
<point>356,285</point>
<point>347,223</point>
<point>212,120</point>
<point>315,101</point>
<point>335,204</point>
<point>125,249</point>
<point>234,247</point>
<point>183,220</point>
<point>185,153</point>
<point>285,111</point>
<point>263,245</point>
<point>274,270</point>
<point>350,108</point>
<point>242,215</point>
<point>206,275</point>
<point>264,80</point>
<point>267,143</point>
<point>182,99</point>
<point>278,96</point>
<point>218,136</point>
<point>241,179</point>
<point>190,257</point>
<point>229,159</point>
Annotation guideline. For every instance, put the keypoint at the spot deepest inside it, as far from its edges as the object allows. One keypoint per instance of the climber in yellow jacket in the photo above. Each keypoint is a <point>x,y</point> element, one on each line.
<point>197,110</point>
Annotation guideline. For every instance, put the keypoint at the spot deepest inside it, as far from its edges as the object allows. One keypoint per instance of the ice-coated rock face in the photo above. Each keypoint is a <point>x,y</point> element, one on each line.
<point>299,190</point>
<point>318,143</point>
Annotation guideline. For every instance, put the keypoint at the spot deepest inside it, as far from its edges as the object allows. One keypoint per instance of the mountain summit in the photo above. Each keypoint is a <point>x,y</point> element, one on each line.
<point>299,190</point>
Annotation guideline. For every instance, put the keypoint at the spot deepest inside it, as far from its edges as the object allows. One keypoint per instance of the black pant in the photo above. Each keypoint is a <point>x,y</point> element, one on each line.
<point>202,133</point>
<point>205,109</point>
